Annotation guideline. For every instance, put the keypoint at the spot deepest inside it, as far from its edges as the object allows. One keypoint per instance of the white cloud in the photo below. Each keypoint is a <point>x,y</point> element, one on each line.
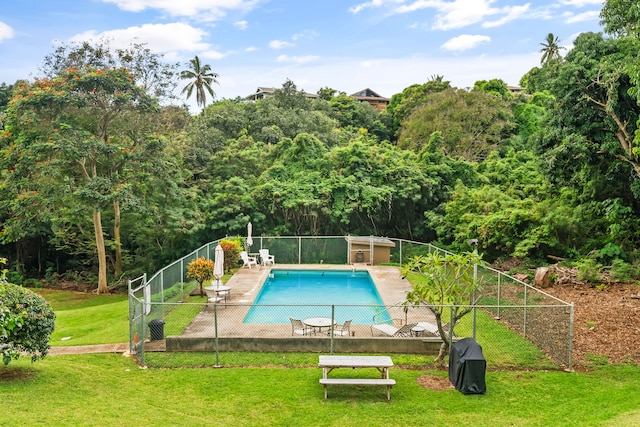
<point>162,38</point>
<point>581,17</point>
<point>461,13</point>
<point>464,42</point>
<point>297,59</point>
<point>372,4</point>
<point>306,34</point>
<point>512,13</point>
<point>452,14</point>
<point>280,44</point>
<point>212,54</point>
<point>241,25</point>
<point>206,10</point>
<point>251,49</point>
<point>581,3</point>
<point>6,32</point>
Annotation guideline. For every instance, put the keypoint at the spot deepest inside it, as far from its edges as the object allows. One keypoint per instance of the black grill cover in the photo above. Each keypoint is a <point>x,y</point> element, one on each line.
<point>467,367</point>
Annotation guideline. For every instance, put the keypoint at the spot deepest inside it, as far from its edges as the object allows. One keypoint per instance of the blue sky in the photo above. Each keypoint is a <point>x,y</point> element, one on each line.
<point>348,45</point>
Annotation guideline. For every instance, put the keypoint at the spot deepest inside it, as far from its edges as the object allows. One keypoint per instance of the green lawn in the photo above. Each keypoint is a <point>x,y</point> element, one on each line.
<point>111,390</point>
<point>84,318</point>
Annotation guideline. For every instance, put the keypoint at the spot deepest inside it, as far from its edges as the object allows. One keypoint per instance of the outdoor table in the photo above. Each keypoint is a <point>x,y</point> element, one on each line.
<point>317,323</point>
<point>418,330</point>
<point>222,289</point>
<point>381,363</point>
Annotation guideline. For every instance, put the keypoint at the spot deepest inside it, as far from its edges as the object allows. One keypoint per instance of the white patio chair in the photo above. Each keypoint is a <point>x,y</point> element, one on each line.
<point>343,330</point>
<point>392,331</point>
<point>248,260</point>
<point>299,328</point>
<point>266,257</point>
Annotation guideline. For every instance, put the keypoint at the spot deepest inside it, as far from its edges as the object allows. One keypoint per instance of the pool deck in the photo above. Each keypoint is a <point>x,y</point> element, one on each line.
<point>246,283</point>
<point>391,286</point>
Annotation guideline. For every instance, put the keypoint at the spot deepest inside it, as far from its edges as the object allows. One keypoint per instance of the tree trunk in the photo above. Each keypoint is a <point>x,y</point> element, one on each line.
<point>102,255</point>
<point>116,236</point>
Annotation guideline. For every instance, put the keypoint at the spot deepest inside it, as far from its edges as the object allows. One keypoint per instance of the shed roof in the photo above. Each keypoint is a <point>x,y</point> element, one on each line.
<point>366,240</point>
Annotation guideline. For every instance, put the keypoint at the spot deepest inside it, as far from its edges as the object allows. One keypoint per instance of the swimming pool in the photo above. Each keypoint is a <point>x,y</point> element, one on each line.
<point>311,293</point>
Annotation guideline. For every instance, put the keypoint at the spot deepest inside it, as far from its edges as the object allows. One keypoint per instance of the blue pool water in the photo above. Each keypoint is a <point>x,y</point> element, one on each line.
<point>310,293</point>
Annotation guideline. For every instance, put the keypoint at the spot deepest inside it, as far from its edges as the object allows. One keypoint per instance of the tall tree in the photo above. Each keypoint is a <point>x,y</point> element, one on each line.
<point>201,78</point>
<point>550,49</point>
<point>448,286</point>
<point>403,104</point>
<point>472,123</point>
<point>621,17</point>
<point>72,150</point>
<point>150,72</point>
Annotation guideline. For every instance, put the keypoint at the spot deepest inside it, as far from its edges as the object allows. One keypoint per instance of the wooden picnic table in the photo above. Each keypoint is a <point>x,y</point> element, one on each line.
<point>380,363</point>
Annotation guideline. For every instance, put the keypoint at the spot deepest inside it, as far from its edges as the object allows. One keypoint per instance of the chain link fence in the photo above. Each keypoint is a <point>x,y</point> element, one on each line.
<point>516,324</point>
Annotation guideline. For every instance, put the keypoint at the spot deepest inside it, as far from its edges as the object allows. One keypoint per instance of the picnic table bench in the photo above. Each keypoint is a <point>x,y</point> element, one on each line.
<point>381,363</point>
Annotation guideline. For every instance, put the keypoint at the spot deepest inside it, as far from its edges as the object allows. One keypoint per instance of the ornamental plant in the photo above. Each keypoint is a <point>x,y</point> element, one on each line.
<point>231,250</point>
<point>26,322</point>
<point>200,270</point>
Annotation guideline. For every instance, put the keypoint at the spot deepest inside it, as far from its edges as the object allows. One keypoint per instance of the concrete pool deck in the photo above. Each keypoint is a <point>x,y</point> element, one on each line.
<point>246,283</point>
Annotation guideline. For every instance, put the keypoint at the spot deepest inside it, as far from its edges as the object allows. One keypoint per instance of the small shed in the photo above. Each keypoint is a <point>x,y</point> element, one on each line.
<point>369,250</point>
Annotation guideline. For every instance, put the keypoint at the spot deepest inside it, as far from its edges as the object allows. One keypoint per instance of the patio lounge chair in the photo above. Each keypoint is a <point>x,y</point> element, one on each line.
<point>392,331</point>
<point>248,260</point>
<point>266,257</point>
<point>299,328</point>
<point>431,329</point>
<point>343,330</point>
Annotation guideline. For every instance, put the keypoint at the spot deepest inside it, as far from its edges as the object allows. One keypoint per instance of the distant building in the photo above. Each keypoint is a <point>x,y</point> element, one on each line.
<point>264,92</point>
<point>371,97</point>
<point>365,95</point>
<point>515,89</point>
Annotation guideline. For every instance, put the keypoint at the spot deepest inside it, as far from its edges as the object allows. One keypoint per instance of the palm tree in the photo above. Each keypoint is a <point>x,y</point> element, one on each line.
<point>201,78</point>
<point>550,49</point>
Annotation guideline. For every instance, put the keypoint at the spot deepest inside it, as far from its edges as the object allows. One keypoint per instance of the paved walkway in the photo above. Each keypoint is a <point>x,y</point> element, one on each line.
<point>88,349</point>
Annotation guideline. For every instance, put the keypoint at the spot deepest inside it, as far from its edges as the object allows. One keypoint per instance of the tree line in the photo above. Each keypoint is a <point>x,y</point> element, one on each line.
<point>105,175</point>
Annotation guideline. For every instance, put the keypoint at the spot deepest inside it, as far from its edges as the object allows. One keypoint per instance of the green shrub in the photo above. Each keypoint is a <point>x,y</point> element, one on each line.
<point>231,248</point>
<point>622,271</point>
<point>173,294</point>
<point>609,253</point>
<point>588,270</point>
<point>26,323</point>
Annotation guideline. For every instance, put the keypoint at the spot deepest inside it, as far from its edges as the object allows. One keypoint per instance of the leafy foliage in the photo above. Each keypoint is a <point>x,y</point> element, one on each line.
<point>231,250</point>
<point>449,286</point>
<point>26,323</point>
<point>472,123</point>
<point>201,78</point>
<point>201,270</point>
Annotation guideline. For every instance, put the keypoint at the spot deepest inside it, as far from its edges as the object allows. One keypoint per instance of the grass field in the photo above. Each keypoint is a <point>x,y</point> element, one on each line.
<point>111,390</point>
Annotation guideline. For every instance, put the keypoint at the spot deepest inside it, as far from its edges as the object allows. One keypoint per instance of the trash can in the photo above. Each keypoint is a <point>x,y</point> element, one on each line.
<point>359,255</point>
<point>156,326</point>
<point>467,367</point>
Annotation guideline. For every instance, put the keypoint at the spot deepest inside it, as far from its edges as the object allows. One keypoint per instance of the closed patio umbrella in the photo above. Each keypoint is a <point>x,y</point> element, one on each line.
<point>218,268</point>
<point>249,239</point>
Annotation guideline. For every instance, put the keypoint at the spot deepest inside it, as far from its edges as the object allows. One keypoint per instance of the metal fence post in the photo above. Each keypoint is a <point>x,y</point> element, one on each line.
<point>499,282</point>
<point>570,362</point>
<point>524,314</point>
<point>215,327</point>
<point>450,328</point>
<point>333,312</point>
